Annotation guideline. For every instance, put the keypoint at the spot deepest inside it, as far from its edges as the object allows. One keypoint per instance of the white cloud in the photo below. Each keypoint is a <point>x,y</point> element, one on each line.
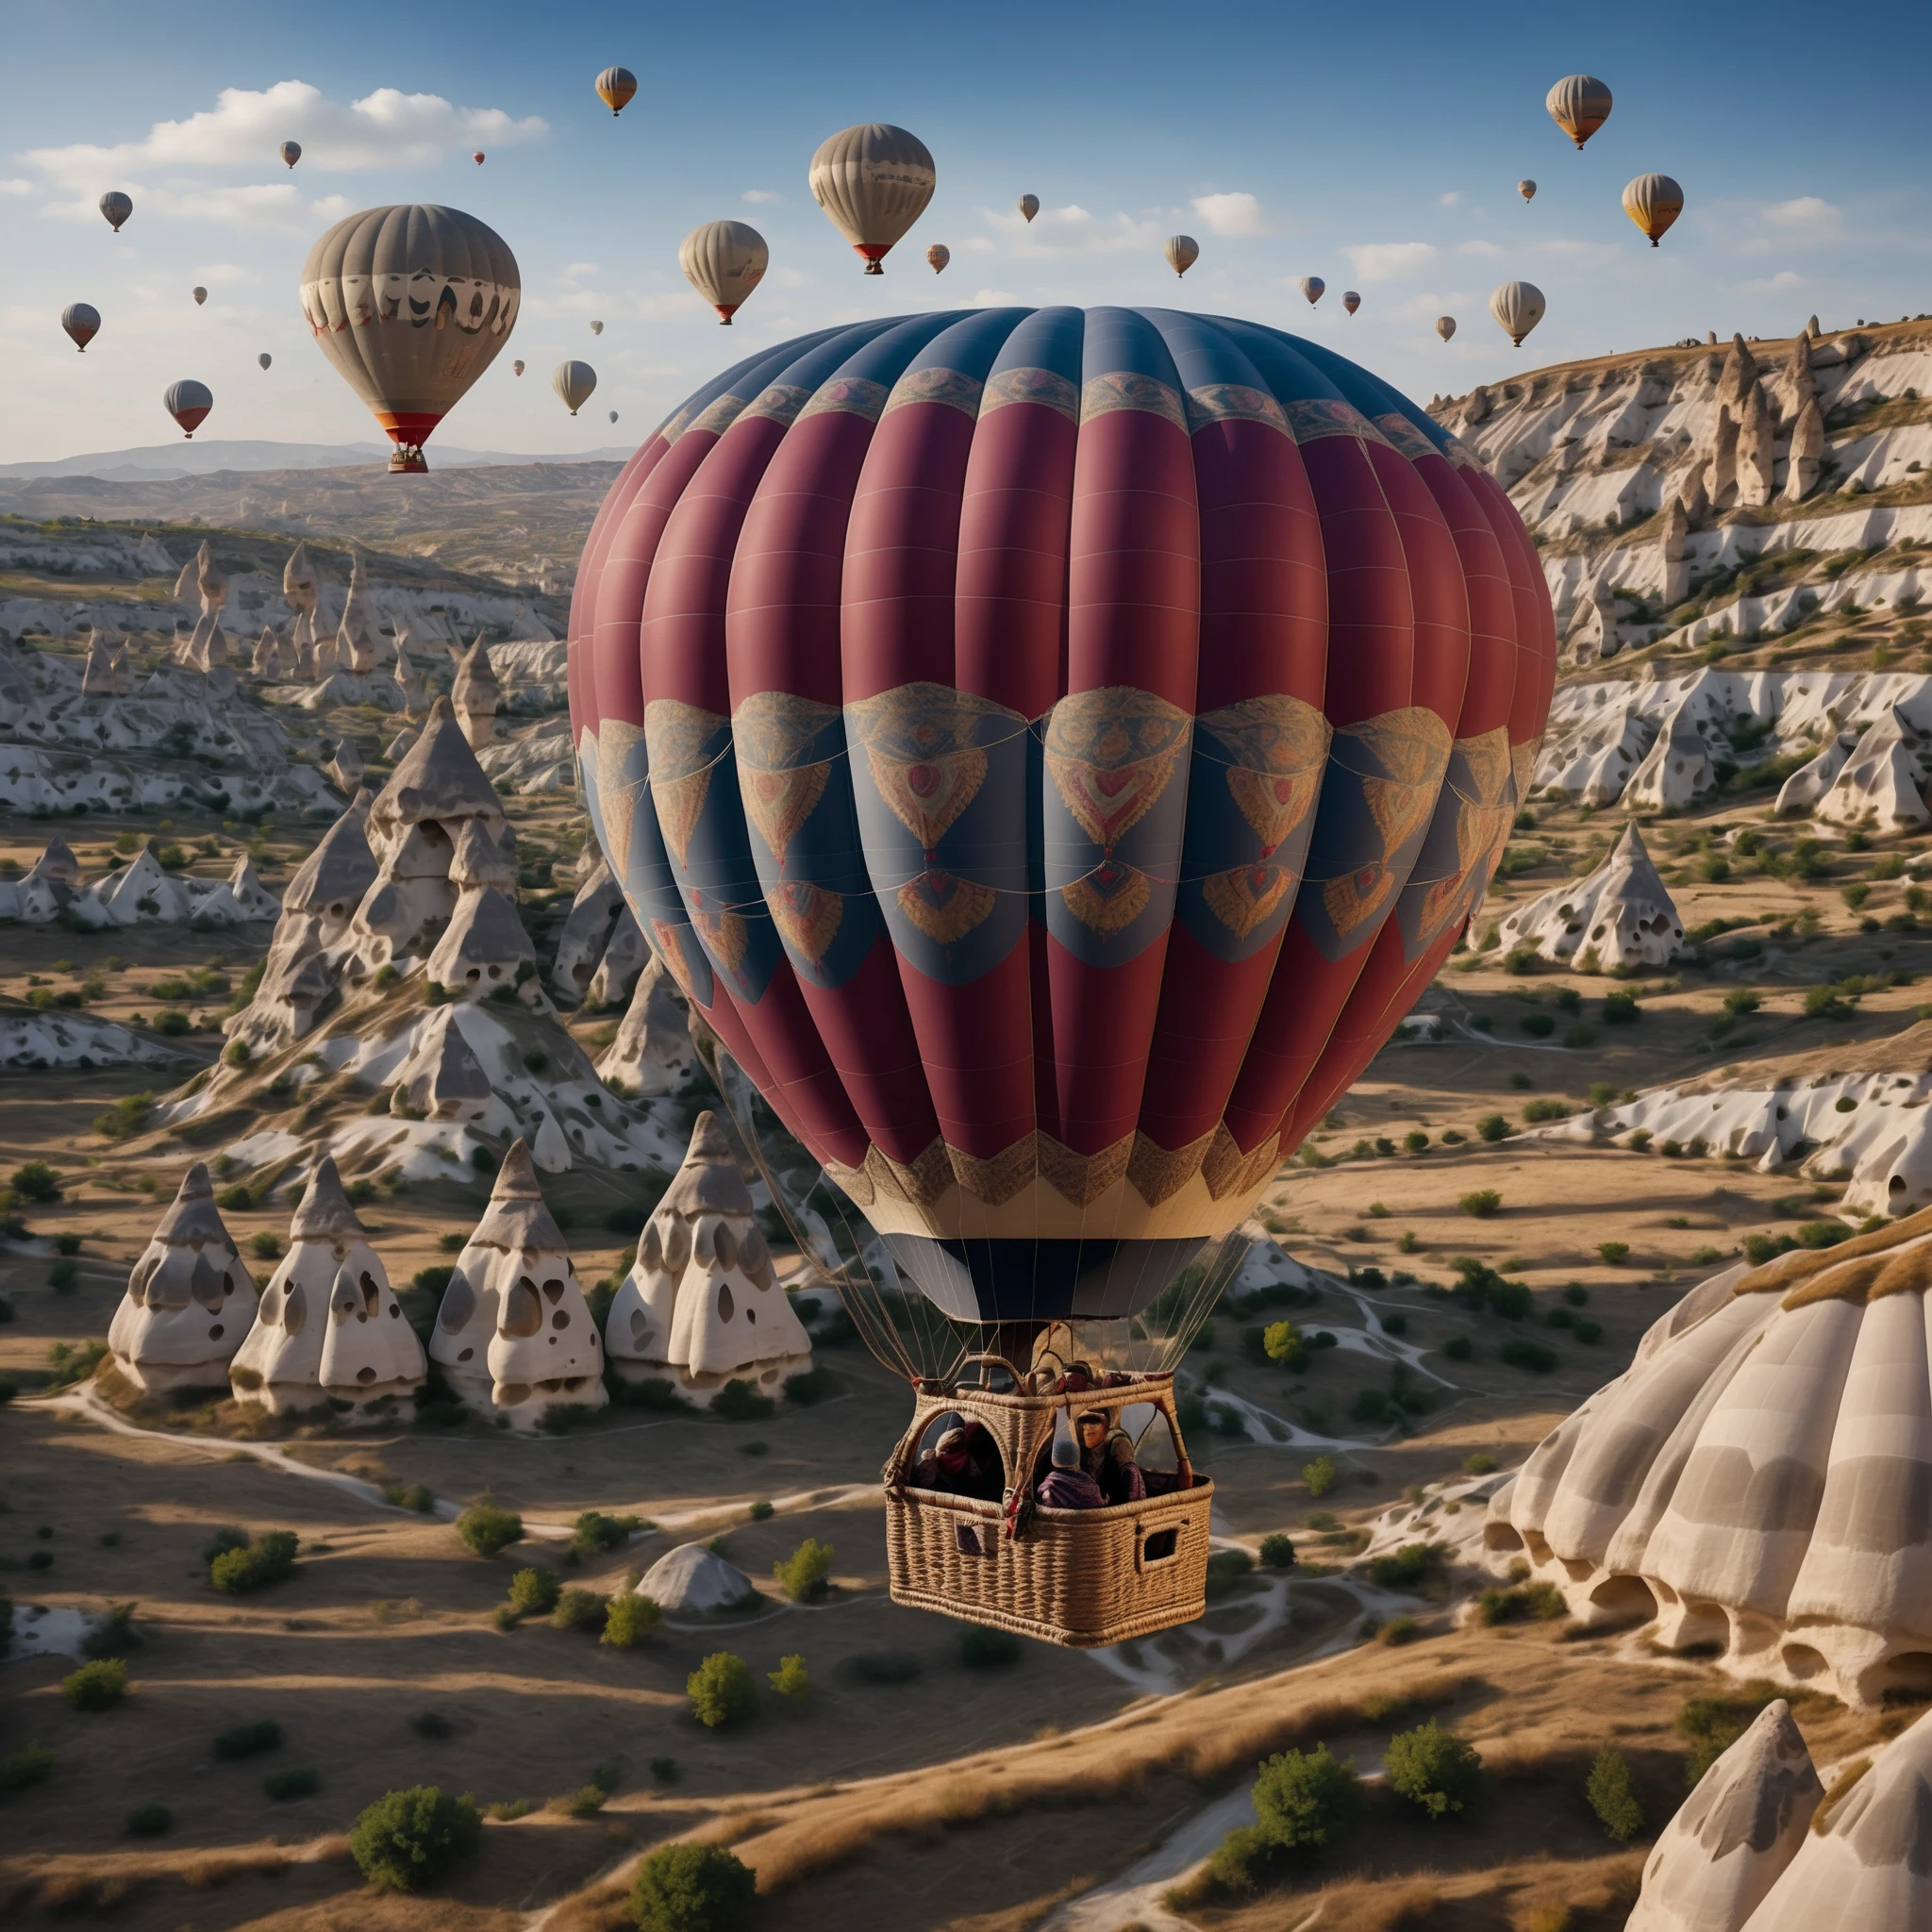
<point>226,275</point>
<point>1477,247</point>
<point>995,298</point>
<point>1231,214</point>
<point>267,205</point>
<point>1382,261</point>
<point>789,278</point>
<point>1785,278</point>
<point>16,187</point>
<point>1807,215</point>
<point>387,128</point>
<point>979,244</point>
<point>1455,198</point>
<point>576,270</point>
<point>1074,230</point>
<point>759,195</point>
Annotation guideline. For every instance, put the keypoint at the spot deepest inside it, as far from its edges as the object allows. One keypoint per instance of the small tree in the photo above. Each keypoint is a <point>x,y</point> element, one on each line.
<point>486,1529</point>
<point>580,1609</point>
<point>1320,1475</point>
<point>791,1680</point>
<point>1306,1800</point>
<point>1612,1794</point>
<point>692,1889</point>
<point>411,1838</point>
<point>630,1619</point>
<point>1435,1769</point>
<point>722,1691</point>
<point>804,1574</point>
<point>1282,1342</point>
<point>1278,1551</point>
<point>98,1686</point>
<point>533,1592</point>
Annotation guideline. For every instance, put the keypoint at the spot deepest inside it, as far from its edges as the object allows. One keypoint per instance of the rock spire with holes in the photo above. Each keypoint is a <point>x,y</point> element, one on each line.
<point>1622,912</point>
<point>188,1300</point>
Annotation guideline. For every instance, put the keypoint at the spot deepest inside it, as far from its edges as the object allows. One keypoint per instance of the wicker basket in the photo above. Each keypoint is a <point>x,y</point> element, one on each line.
<point>1082,1577</point>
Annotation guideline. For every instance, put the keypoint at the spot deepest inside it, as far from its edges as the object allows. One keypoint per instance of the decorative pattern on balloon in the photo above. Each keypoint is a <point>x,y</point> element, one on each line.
<point>1045,385</point>
<point>1125,389</point>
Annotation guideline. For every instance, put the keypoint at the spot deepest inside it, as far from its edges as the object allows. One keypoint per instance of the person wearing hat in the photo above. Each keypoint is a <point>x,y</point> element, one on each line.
<point>1090,1431</point>
<point>950,1467</point>
<point>1118,1476</point>
<point>1066,1485</point>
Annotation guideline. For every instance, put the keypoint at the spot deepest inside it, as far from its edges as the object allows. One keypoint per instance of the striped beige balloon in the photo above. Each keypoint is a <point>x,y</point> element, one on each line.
<point>873,181</point>
<point>723,261</point>
<point>1182,251</point>
<point>1517,306</point>
<point>1579,104</point>
<point>938,256</point>
<point>1654,201</point>
<point>574,381</point>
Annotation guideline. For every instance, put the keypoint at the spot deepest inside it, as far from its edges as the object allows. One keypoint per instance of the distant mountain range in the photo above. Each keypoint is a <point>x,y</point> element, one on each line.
<point>161,461</point>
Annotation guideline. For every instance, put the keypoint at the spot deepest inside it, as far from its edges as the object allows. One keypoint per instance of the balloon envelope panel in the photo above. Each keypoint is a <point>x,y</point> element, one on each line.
<point>1051,747</point>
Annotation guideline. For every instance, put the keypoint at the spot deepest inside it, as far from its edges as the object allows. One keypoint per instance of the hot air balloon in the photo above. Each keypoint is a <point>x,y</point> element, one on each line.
<point>1182,251</point>
<point>189,403</point>
<point>1579,104</point>
<point>874,182</point>
<point>516,368</point>
<point>1527,189</point>
<point>1517,306</point>
<point>938,256</point>
<point>1028,206</point>
<point>200,296</point>
<point>616,86</point>
<point>1350,300</point>
<point>411,305</point>
<point>596,328</point>
<point>477,157</point>
<point>613,415</point>
<point>82,322</point>
<point>1313,288</point>
<point>117,207</point>
<point>291,151</point>
<point>264,358</point>
<point>723,261</point>
<point>1446,326</point>
<point>1046,908</point>
<point>1654,201</point>
<point>574,382</point>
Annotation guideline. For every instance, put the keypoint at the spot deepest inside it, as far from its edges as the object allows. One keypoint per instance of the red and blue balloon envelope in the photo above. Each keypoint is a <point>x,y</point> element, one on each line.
<point>1051,749</point>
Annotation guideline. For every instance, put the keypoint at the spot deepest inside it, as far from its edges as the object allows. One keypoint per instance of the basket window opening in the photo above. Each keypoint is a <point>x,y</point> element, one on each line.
<point>973,1538</point>
<point>1160,1545</point>
<point>984,1449</point>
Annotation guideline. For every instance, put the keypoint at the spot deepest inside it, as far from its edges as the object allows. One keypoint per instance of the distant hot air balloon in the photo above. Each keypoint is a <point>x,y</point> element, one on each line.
<point>1517,306</point>
<point>411,305</point>
<point>1579,104</point>
<point>291,151</point>
<point>938,256</point>
<point>1182,251</point>
<point>616,86</point>
<point>189,403</point>
<point>82,322</point>
<point>200,296</point>
<point>1527,189</point>
<point>723,261</point>
<point>1350,300</point>
<point>874,182</point>
<point>613,415</point>
<point>516,368</point>
<point>117,207</point>
<point>1028,206</point>
<point>477,157</point>
<point>1654,201</point>
<point>264,358</point>
<point>574,382</point>
<point>596,328</point>
<point>1446,326</point>
<point>1312,287</point>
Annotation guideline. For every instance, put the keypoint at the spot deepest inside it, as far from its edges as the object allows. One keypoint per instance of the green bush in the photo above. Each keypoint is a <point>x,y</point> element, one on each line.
<point>1612,1794</point>
<point>1434,1769</point>
<point>1458,1348</point>
<point>596,1533</point>
<point>1493,1127</point>
<point>580,1609</point>
<point>1520,1352</point>
<point>486,1529</point>
<point>1225,1568</point>
<point>411,1838</point>
<point>1613,1254</point>
<point>269,1559</point>
<point>24,1769</point>
<point>739,1401</point>
<point>1306,1800</point>
<point>1239,1862</point>
<point>113,1634</point>
<point>791,1680</point>
<point>1277,1552</point>
<point>1620,1009</point>
<point>37,1183</point>
<point>1320,1475</point>
<point>692,1889</point>
<point>630,1619</point>
<point>983,1649</point>
<point>1281,1342</point>
<point>98,1686</point>
<point>249,1739</point>
<point>149,1820</point>
<point>533,1592</point>
<point>1408,1567</point>
<point>805,1575</point>
<point>809,1386</point>
<point>585,1802</point>
<point>286,1785</point>
<point>722,1691</point>
<point>417,1496</point>
<point>1398,1630</point>
<point>1482,1204</point>
<point>1543,1601</point>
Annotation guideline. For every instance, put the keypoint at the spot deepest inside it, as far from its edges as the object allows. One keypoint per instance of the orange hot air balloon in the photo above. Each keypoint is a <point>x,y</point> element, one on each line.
<point>189,403</point>
<point>82,322</point>
<point>1654,201</point>
<point>1579,104</point>
<point>616,87</point>
<point>938,256</point>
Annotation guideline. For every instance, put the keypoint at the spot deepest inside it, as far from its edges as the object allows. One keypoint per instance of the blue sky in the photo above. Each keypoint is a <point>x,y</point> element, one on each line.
<point>1377,148</point>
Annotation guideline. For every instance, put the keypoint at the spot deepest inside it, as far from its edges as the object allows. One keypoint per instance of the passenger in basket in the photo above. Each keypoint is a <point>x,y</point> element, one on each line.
<point>952,1468</point>
<point>1089,1428</point>
<point>1120,1480</point>
<point>1066,1485</point>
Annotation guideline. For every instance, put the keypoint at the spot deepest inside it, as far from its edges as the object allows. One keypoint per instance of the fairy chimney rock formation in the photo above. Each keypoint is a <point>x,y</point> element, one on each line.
<point>328,1327</point>
<point>1805,461</point>
<point>626,954</point>
<point>299,592</point>
<point>208,648</point>
<point>103,675</point>
<point>586,931</point>
<point>345,768</point>
<point>1721,471</point>
<point>440,1078</point>
<point>1622,912</point>
<point>477,695</point>
<point>1717,1858</point>
<point>514,1335</point>
<point>484,947</point>
<point>357,644</point>
<point>267,662</point>
<point>1674,544</point>
<point>188,1300</point>
<point>1756,450</point>
<point>701,1305</point>
<point>652,1053</point>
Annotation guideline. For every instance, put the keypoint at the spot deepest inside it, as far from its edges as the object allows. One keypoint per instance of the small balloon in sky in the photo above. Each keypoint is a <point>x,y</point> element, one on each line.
<point>938,256</point>
<point>516,368</point>
<point>574,381</point>
<point>1029,206</point>
<point>874,182</point>
<point>82,322</point>
<point>116,207</point>
<point>1527,189</point>
<point>1350,300</point>
<point>1313,288</point>
<point>613,415</point>
<point>596,328</point>
<point>1182,251</point>
<point>264,358</point>
<point>1654,201</point>
<point>189,403</point>
<point>200,296</point>
<point>1517,306</point>
<point>477,157</point>
<point>1446,326</point>
<point>723,261</point>
<point>291,151</point>
<point>1579,104</point>
<point>616,86</point>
